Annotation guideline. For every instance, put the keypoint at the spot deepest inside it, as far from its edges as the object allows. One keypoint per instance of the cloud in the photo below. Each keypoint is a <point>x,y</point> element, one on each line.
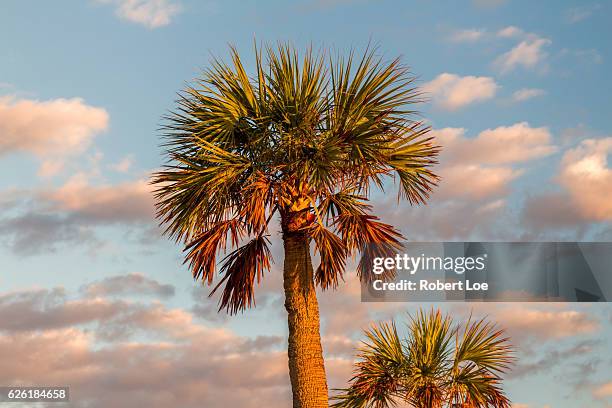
<point>603,391</point>
<point>123,165</point>
<point>55,128</point>
<point>451,92</point>
<point>524,322</point>
<point>527,93</point>
<point>590,55</point>
<point>528,54</point>
<point>50,168</point>
<point>476,175</point>
<point>475,182</point>
<point>45,220</point>
<point>466,35</point>
<point>133,283</point>
<point>552,358</point>
<point>149,13</point>
<point>498,146</point>
<point>578,14</point>
<point>550,210</point>
<point>586,174</point>
<point>147,354</point>
<point>130,201</point>
<point>46,309</point>
<point>32,232</point>
<point>510,32</point>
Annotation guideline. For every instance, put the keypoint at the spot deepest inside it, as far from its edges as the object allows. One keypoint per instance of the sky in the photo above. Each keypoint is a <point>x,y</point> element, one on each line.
<point>93,296</point>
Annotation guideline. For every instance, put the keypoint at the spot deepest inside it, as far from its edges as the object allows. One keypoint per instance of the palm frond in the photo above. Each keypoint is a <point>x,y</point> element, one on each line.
<point>202,251</point>
<point>426,369</point>
<point>240,269</point>
<point>486,346</point>
<point>378,374</point>
<point>332,252</point>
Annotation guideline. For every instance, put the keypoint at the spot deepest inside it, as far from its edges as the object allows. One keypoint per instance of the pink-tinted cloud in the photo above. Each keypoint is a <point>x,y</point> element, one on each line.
<point>49,128</point>
<point>543,322</point>
<point>451,92</point>
<point>527,93</point>
<point>130,201</point>
<point>130,284</point>
<point>176,361</point>
<point>502,145</point>
<point>481,168</point>
<point>587,176</point>
<point>51,309</point>
<point>603,391</point>
<point>551,210</point>
<point>584,176</point>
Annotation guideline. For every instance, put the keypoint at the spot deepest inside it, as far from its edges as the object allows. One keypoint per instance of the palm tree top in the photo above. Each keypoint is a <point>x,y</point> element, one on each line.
<point>306,137</point>
<point>437,365</point>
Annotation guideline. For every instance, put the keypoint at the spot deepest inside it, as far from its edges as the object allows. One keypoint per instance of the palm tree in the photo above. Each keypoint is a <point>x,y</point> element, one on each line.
<point>303,139</point>
<point>438,365</point>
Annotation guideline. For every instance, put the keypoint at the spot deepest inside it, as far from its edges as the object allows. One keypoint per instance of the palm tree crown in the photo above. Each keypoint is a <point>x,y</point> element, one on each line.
<point>438,365</point>
<point>304,137</point>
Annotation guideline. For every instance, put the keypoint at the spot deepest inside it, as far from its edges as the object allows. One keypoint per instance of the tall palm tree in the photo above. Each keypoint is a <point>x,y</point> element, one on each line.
<point>302,139</point>
<point>438,365</point>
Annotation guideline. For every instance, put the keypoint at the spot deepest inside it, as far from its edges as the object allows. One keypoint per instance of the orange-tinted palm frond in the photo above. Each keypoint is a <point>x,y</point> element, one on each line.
<point>358,230</point>
<point>240,270</point>
<point>370,236</point>
<point>202,250</point>
<point>379,371</point>
<point>343,202</point>
<point>333,256</point>
<point>257,197</point>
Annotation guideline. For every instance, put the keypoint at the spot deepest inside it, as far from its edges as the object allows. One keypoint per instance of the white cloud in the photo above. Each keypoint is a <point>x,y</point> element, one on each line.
<point>149,13</point>
<point>510,32</point>
<point>123,165</point>
<point>467,35</point>
<point>55,128</point>
<point>528,54</point>
<point>498,146</point>
<point>587,176</point>
<point>527,93</point>
<point>578,14</point>
<point>451,92</point>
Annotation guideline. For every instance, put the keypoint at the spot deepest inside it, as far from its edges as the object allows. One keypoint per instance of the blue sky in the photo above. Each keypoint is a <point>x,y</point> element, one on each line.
<point>518,96</point>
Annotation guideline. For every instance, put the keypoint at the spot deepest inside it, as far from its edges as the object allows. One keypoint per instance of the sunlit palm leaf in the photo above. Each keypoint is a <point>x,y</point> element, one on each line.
<point>305,137</point>
<point>332,252</point>
<point>240,269</point>
<point>424,370</point>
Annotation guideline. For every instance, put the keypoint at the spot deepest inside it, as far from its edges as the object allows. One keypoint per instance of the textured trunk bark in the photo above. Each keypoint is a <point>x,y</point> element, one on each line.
<point>306,367</point>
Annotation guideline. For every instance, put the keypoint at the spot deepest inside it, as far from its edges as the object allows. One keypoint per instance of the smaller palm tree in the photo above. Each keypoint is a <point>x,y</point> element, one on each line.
<point>439,365</point>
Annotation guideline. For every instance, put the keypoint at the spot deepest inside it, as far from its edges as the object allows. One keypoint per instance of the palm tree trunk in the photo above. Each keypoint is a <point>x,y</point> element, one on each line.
<point>306,367</point>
